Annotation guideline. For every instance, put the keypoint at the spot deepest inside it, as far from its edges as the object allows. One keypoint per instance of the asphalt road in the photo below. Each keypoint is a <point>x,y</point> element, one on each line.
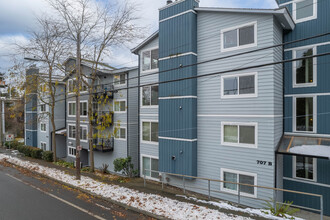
<point>27,196</point>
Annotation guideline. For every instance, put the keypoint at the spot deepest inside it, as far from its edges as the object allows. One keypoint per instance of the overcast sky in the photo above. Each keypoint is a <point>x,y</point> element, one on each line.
<point>18,16</point>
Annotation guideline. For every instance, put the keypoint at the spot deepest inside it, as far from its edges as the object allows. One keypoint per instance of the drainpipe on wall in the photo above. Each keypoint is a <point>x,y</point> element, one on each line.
<point>139,153</point>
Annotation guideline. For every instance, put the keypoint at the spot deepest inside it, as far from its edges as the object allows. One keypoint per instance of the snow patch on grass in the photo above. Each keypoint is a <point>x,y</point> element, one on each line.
<point>152,203</point>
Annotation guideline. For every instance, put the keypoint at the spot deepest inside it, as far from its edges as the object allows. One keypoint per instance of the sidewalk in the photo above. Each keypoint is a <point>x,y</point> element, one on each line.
<point>152,190</point>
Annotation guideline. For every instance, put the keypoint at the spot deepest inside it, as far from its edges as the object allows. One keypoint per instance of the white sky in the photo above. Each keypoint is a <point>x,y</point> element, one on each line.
<point>18,16</point>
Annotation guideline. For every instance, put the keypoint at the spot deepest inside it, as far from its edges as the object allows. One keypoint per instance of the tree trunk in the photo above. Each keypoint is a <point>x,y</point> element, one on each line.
<point>52,116</point>
<point>90,129</point>
<point>78,66</point>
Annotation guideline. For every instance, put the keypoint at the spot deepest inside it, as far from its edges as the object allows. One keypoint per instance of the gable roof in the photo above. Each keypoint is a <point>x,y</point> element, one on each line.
<point>145,42</point>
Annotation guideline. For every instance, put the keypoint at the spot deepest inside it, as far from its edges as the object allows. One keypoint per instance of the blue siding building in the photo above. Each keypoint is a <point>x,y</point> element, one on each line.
<point>307,105</point>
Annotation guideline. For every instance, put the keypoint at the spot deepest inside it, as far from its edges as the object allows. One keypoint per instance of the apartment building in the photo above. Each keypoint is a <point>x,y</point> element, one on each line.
<point>307,105</point>
<point>113,107</point>
<point>216,126</point>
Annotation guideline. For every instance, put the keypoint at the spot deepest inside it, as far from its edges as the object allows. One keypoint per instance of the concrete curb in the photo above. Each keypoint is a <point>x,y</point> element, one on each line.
<point>98,196</point>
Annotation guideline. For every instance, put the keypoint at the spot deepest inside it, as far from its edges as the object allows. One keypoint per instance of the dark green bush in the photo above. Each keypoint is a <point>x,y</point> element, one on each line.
<point>13,145</point>
<point>47,156</point>
<point>28,151</point>
<point>125,166</point>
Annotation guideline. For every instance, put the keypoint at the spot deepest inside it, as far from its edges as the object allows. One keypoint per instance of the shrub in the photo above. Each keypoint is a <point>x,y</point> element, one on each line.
<point>47,156</point>
<point>13,145</point>
<point>281,210</point>
<point>64,164</point>
<point>85,169</point>
<point>125,166</point>
<point>28,151</point>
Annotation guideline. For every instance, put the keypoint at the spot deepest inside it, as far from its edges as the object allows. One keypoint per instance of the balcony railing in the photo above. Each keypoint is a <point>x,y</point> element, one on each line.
<point>104,118</point>
<point>103,144</point>
<point>103,93</point>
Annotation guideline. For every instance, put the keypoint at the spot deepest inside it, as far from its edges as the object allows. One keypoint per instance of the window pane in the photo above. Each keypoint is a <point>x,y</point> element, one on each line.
<point>154,59</point>
<point>247,180</point>
<point>146,60</point>
<point>304,167</point>
<point>154,131</point>
<point>123,133</point>
<point>230,39</point>
<point>116,79</point>
<point>304,9</point>
<point>230,86</point>
<point>246,35</point>
<point>146,166</point>
<point>146,96</point>
<point>230,133</point>
<point>122,106</point>
<point>230,177</point>
<point>246,84</point>
<point>304,71</point>
<point>146,131</point>
<point>117,106</point>
<point>154,166</point>
<point>247,134</point>
<point>122,79</point>
<point>154,95</point>
<point>304,117</point>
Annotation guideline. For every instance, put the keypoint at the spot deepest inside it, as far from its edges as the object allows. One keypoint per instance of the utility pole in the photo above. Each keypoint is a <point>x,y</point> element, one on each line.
<point>78,84</point>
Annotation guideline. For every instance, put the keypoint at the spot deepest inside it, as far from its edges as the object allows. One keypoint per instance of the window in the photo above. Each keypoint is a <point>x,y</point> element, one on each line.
<point>239,85</point>
<point>150,60</point>
<point>240,135</point>
<point>72,131</point>
<point>304,10</point>
<point>304,71</point>
<point>304,114</point>
<point>239,177</point>
<point>150,96</point>
<point>239,37</point>
<point>43,145</point>
<point>72,151</point>
<point>43,127</point>
<point>43,108</point>
<point>83,109</point>
<point>120,133</point>
<point>119,79</point>
<point>72,109</point>
<point>120,106</point>
<point>304,167</point>
<point>71,85</point>
<point>83,133</point>
<point>149,163</point>
<point>150,131</point>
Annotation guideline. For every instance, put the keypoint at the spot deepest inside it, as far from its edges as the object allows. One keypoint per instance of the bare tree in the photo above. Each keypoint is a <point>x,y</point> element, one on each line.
<point>48,45</point>
<point>94,28</point>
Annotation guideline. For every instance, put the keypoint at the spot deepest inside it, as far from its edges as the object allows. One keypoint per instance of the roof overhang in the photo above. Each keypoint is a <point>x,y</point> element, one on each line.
<point>317,147</point>
<point>145,42</point>
<point>281,14</point>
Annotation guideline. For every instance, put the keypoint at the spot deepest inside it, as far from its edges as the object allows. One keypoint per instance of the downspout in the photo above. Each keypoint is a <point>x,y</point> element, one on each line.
<point>139,153</point>
<point>127,118</point>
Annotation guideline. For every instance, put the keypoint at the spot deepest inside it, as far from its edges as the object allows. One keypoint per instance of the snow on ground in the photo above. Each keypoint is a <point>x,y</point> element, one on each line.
<point>225,205</point>
<point>314,150</point>
<point>153,203</point>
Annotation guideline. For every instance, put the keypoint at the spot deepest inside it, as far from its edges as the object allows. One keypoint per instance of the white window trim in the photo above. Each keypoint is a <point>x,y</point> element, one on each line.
<point>294,68</point>
<point>223,49</point>
<point>119,127</point>
<point>141,135</point>
<point>141,59</point>
<point>294,169</point>
<point>68,129</point>
<point>255,124</point>
<point>70,155</point>
<point>294,119</point>
<point>82,140</point>
<point>119,100</point>
<point>254,95</point>
<point>141,98</point>
<point>68,86</point>
<point>41,142</point>
<point>41,123</point>
<point>41,108</point>
<point>120,85</point>
<point>84,116</point>
<point>141,165</point>
<point>294,9</point>
<point>222,170</point>
<point>70,102</point>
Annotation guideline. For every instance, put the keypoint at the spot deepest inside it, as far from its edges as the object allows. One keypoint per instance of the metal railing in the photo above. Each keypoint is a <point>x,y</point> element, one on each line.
<point>239,194</point>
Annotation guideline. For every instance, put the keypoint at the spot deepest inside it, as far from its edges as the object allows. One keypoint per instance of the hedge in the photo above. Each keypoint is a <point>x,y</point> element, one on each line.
<point>47,156</point>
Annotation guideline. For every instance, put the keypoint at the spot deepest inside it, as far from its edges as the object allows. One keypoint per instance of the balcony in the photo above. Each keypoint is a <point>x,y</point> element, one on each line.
<point>103,145</point>
<point>103,93</point>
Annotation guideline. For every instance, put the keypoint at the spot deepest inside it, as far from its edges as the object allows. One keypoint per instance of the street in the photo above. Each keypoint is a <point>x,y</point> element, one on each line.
<point>25,196</point>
